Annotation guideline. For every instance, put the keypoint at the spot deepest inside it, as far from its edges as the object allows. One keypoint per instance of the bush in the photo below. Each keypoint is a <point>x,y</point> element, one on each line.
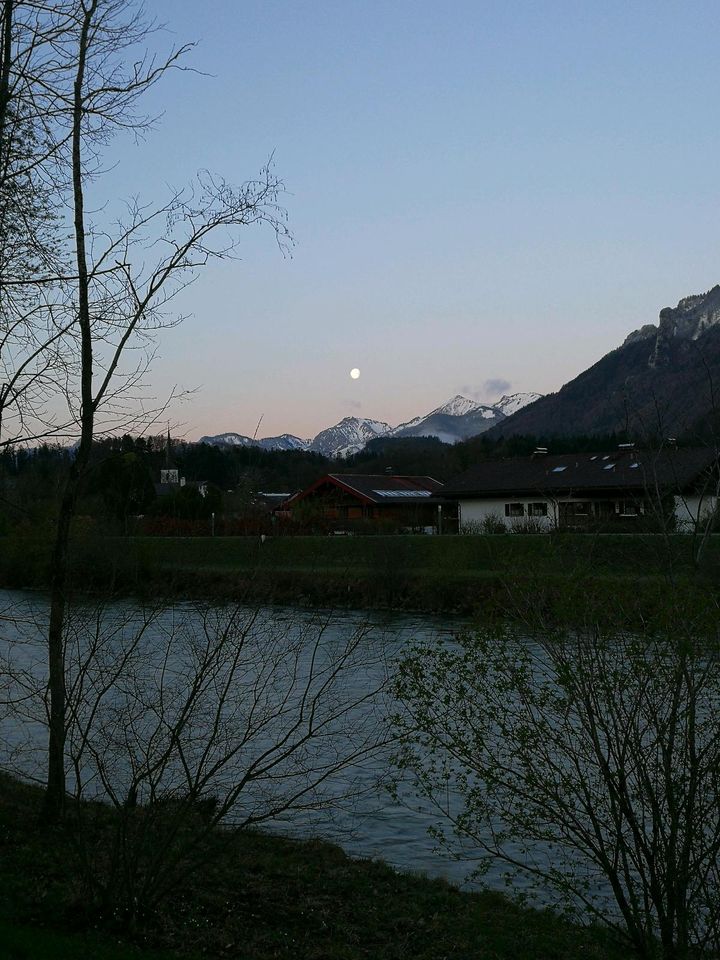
<point>586,762</point>
<point>491,524</point>
<point>531,525</point>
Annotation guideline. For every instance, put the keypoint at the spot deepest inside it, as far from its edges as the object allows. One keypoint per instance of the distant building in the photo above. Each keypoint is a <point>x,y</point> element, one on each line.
<point>347,500</point>
<point>581,490</point>
<point>170,486</point>
<point>269,502</point>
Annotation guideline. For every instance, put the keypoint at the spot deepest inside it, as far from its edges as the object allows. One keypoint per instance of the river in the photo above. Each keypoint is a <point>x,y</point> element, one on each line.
<point>281,657</point>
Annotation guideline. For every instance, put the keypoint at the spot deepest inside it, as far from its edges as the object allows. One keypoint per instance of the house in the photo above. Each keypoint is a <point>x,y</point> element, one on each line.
<point>345,501</point>
<point>584,490</point>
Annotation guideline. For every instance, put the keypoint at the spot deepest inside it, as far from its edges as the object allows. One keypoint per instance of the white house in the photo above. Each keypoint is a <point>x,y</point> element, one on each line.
<point>586,490</point>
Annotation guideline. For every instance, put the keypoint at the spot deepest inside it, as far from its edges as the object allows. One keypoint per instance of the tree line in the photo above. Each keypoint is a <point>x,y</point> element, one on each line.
<point>122,471</point>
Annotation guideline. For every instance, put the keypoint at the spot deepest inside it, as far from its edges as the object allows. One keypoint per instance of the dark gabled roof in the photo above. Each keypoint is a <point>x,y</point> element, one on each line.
<point>376,488</point>
<point>672,468</point>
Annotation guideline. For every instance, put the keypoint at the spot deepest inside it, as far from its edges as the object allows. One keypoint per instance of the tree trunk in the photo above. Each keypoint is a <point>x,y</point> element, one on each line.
<point>54,801</point>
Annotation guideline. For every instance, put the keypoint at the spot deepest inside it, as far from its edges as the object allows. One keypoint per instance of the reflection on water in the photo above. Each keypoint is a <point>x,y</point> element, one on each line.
<point>371,825</point>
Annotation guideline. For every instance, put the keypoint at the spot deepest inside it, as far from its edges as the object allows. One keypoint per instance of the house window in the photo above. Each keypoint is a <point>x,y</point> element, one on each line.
<point>514,509</point>
<point>537,509</point>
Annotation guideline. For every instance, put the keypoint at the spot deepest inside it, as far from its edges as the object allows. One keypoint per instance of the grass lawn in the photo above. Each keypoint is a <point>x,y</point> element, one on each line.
<point>265,898</point>
<point>33,943</point>
<point>619,555</point>
<point>460,574</point>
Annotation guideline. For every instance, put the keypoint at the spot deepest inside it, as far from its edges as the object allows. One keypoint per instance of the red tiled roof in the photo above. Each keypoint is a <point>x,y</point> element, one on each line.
<point>376,488</point>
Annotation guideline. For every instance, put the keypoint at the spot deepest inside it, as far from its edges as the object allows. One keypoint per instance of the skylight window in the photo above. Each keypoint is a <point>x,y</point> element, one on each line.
<point>558,469</point>
<point>609,466</point>
<point>402,493</point>
<point>606,457</point>
<point>634,466</point>
<point>594,458</point>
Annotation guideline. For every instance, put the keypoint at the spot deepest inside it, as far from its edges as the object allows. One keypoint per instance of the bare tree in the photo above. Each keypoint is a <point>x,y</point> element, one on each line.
<point>187,720</point>
<point>34,182</point>
<point>123,279</point>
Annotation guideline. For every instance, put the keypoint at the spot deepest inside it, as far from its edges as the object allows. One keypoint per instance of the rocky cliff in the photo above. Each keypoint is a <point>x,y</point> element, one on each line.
<point>664,379</point>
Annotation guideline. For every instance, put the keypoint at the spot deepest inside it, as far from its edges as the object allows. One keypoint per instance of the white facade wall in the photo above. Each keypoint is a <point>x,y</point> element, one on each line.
<point>473,513</point>
<point>692,509</point>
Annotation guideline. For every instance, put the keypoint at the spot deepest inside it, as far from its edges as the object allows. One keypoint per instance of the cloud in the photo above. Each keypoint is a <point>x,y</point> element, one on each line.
<point>472,393</point>
<point>496,387</point>
<point>490,390</point>
<point>352,404</point>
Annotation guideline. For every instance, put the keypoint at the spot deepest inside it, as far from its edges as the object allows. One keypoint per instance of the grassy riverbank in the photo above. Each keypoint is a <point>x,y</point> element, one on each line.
<point>263,897</point>
<point>452,574</point>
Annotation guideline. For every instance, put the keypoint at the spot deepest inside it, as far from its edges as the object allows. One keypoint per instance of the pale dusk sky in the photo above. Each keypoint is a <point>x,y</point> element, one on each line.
<point>479,191</point>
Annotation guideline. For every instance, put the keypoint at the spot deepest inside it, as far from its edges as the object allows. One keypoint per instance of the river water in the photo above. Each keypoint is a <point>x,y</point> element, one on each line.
<point>283,659</point>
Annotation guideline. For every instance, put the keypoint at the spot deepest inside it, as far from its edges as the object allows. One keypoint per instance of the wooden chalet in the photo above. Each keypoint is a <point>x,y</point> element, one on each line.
<point>347,501</point>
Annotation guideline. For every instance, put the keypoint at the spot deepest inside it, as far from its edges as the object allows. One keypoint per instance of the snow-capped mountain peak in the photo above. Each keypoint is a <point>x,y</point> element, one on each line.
<point>455,420</point>
<point>228,440</point>
<point>508,405</point>
<point>284,442</point>
<point>348,437</point>
<point>458,406</point>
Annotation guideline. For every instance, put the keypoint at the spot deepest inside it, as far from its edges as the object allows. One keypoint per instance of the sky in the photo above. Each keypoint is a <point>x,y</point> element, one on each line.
<point>485,197</point>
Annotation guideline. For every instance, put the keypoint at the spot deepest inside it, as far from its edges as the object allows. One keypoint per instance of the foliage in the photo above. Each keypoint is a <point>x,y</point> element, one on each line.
<point>492,523</point>
<point>251,467</point>
<point>587,762</point>
<point>125,485</point>
<point>187,503</point>
<point>528,525</point>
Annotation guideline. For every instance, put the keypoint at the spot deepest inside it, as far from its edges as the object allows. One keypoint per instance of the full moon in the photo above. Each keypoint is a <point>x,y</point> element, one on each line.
<point>354,373</point>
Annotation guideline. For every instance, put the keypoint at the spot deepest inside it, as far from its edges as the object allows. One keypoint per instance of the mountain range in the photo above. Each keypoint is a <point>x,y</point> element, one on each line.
<point>664,379</point>
<point>457,419</point>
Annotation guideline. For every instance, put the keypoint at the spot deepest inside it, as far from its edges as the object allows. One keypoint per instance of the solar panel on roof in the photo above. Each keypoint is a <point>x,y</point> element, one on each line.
<point>402,493</point>
<point>558,469</point>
